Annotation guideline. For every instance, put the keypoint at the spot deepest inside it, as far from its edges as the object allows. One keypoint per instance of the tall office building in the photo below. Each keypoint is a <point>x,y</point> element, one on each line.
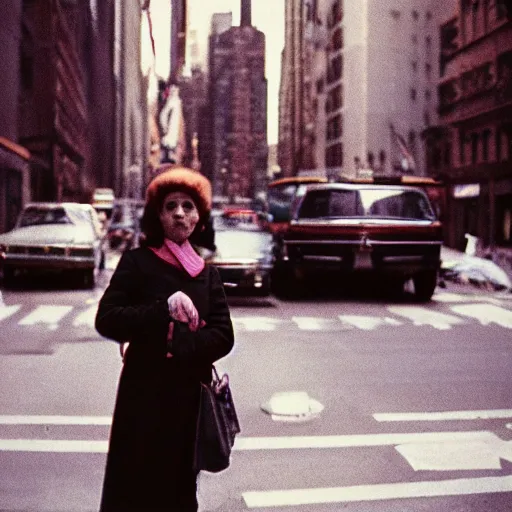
<point>238,99</point>
<point>378,89</point>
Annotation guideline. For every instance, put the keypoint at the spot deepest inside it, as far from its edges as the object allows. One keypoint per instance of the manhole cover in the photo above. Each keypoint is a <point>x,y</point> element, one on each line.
<point>292,406</point>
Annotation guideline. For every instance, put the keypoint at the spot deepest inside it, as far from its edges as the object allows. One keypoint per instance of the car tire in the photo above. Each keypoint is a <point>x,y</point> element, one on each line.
<point>424,285</point>
<point>88,278</point>
<point>8,277</point>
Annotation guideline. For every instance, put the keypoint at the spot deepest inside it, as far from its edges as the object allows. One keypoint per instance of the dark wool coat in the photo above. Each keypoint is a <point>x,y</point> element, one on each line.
<point>149,463</point>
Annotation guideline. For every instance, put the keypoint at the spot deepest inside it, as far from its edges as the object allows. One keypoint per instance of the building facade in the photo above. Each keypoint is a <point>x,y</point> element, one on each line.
<point>52,122</point>
<point>238,98</point>
<point>376,94</point>
<point>14,167</point>
<point>131,110</point>
<point>471,147</point>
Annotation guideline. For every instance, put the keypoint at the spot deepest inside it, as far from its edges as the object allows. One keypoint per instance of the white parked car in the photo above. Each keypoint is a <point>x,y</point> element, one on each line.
<point>54,237</point>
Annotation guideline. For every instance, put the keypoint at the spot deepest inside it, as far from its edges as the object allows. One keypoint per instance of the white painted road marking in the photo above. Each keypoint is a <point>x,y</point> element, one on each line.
<point>54,420</point>
<point>444,415</point>
<point>86,317</point>
<point>486,314</point>
<point>456,456</point>
<point>424,316</point>
<point>459,487</point>
<point>7,311</point>
<point>274,443</point>
<point>357,440</point>
<point>367,322</point>
<point>312,323</point>
<point>256,323</point>
<point>50,315</point>
<point>483,312</point>
<point>53,446</point>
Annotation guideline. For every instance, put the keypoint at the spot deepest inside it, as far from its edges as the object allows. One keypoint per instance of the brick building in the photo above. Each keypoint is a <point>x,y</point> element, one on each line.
<point>471,148</point>
<point>52,109</point>
<point>14,166</point>
<point>238,98</point>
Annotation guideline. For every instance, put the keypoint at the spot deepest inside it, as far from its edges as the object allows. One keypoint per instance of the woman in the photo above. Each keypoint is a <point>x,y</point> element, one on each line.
<point>171,307</point>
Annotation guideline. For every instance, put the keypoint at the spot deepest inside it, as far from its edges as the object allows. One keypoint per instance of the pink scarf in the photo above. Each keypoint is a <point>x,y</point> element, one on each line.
<point>181,256</point>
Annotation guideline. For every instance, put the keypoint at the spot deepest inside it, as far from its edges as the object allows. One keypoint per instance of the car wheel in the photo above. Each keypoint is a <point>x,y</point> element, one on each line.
<point>8,277</point>
<point>424,285</point>
<point>88,278</point>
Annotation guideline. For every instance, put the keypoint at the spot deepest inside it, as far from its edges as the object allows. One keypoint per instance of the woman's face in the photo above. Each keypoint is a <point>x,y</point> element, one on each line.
<point>179,216</point>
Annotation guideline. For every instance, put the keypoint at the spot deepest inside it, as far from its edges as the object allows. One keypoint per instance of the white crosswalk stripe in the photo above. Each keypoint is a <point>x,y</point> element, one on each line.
<point>49,315</point>
<point>423,316</point>
<point>463,312</point>
<point>7,311</point>
<point>486,314</point>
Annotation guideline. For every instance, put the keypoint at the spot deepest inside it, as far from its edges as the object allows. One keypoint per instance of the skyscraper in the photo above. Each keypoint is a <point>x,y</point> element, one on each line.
<point>238,99</point>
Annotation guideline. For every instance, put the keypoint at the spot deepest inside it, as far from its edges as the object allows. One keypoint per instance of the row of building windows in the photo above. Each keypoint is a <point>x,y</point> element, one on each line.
<point>481,146</point>
<point>396,14</point>
<point>428,68</point>
<point>414,94</point>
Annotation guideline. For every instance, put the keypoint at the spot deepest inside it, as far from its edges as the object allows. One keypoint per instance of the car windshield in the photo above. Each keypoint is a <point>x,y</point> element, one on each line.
<point>375,203</point>
<point>36,216</point>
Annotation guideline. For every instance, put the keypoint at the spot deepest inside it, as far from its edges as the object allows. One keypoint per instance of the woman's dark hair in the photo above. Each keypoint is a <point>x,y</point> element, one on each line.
<point>153,233</point>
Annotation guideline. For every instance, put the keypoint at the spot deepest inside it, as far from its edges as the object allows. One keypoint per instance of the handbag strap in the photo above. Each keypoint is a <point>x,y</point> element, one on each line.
<point>215,375</point>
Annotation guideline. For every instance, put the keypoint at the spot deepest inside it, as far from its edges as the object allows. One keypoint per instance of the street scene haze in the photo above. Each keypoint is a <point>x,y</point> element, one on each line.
<point>359,224</point>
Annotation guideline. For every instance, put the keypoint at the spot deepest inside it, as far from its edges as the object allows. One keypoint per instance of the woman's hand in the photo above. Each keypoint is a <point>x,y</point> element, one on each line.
<point>182,309</point>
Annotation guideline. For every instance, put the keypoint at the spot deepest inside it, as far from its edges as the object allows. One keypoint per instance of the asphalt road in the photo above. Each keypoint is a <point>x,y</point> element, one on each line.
<point>395,406</point>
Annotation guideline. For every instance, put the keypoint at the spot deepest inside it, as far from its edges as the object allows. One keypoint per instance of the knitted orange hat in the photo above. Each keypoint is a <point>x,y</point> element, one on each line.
<point>181,178</point>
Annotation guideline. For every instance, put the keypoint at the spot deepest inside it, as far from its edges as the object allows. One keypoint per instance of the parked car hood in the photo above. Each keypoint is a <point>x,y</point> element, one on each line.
<point>48,235</point>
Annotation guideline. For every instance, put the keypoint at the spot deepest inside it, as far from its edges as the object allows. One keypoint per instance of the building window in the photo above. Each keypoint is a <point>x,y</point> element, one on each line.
<point>474,148</point>
<point>428,42</point>
<point>414,39</point>
<point>414,65</point>
<point>413,94</point>
<point>27,71</point>
<point>334,128</point>
<point>427,95</point>
<point>448,154</point>
<point>334,155</point>
<point>320,86</point>
<point>429,15</point>
<point>335,69</point>
<point>395,14</point>
<point>415,15</point>
<point>498,144</point>
<point>486,136</point>
<point>428,70</point>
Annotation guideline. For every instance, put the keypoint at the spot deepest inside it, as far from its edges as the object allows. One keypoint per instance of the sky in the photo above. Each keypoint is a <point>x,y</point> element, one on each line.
<point>267,16</point>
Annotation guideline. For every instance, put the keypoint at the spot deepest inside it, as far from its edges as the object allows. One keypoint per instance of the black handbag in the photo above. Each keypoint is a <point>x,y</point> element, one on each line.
<point>217,425</point>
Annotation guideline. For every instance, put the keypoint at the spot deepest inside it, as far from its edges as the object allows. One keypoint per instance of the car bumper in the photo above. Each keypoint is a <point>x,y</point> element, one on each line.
<point>48,262</point>
<point>242,277</point>
<point>391,260</point>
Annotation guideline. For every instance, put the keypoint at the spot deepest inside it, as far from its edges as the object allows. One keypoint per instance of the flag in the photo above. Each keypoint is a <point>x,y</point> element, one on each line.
<point>407,161</point>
